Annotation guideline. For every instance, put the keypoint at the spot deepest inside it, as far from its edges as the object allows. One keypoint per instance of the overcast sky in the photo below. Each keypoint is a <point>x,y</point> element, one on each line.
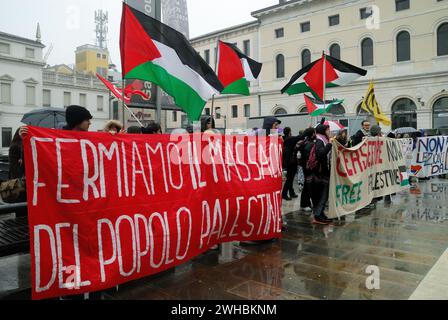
<point>70,23</point>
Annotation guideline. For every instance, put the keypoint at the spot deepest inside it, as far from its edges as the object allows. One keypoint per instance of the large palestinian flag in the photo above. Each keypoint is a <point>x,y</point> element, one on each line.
<point>317,107</point>
<point>152,51</point>
<point>311,78</point>
<point>235,69</point>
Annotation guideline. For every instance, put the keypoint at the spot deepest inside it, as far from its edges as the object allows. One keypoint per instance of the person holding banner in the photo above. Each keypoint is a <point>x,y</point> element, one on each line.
<point>320,192</point>
<point>362,133</point>
<point>77,118</point>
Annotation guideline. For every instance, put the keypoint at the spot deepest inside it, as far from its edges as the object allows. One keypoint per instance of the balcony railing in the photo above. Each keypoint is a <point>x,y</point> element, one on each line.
<point>51,77</point>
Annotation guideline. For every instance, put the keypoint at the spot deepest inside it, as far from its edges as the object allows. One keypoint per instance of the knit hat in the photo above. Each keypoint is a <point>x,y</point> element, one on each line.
<point>322,127</point>
<point>375,131</point>
<point>76,115</point>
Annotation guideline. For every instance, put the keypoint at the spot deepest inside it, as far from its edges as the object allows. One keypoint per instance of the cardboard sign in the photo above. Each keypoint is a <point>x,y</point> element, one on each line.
<point>105,210</point>
<point>373,169</point>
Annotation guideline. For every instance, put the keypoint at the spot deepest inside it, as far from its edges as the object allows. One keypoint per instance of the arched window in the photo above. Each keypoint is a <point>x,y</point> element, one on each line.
<point>440,112</point>
<point>280,64</point>
<point>280,111</point>
<point>404,114</point>
<point>367,52</point>
<point>303,110</point>
<point>442,40</point>
<point>306,58</point>
<point>403,46</point>
<point>337,110</point>
<point>335,51</point>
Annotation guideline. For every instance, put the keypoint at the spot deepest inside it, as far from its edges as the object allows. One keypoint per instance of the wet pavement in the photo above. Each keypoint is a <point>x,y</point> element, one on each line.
<point>406,240</point>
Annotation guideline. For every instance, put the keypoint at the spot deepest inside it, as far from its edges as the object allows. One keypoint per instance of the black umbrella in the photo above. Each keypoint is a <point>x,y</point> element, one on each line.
<point>45,118</point>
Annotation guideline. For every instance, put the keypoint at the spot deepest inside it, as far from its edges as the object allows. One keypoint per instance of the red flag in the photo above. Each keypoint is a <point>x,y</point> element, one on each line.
<point>129,91</point>
<point>115,91</point>
<point>315,77</point>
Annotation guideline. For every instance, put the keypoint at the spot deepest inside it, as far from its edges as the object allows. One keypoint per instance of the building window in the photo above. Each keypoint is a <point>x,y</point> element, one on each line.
<point>29,53</point>
<point>207,111</point>
<point>404,114</point>
<point>440,113</point>
<point>279,33</point>
<point>30,95</point>
<point>367,52</point>
<point>306,58</point>
<point>401,5</point>
<point>246,45</point>
<point>442,40</point>
<point>335,51</point>
<point>67,99</point>
<point>365,12</point>
<point>83,100</point>
<point>104,57</point>
<point>6,137</point>
<point>333,20</point>
<point>247,110</point>
<point>46,98</point>
<point>280,66</point>
<point>234,111</point>
<point>5,93</point>
<point>174,116</point>
<point>98,55</point>
<point>305,26</point>
<point>280,112</point>
<point>5,48</point>
<point>207,56</point>
<point>115,110</point>
<point>403,46</point>
<point>100,103</point>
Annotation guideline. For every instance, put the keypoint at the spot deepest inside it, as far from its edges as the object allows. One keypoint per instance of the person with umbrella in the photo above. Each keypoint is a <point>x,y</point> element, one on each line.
<point>77,119</point>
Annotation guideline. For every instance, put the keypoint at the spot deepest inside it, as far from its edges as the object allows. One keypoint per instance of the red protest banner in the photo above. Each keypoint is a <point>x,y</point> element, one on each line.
<point>105,210</point>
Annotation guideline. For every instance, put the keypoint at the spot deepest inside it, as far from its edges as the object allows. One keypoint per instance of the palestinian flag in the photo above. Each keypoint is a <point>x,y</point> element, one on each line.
<point>235,69</point>
<point>404,176</point>
<point>317,107</point>
<point>152,51</point>
<point>311,78</point>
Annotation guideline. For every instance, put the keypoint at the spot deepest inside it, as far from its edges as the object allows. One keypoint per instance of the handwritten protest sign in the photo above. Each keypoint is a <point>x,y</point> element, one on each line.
<point>105,210</point>
<point>430,157</point>
<point>373,169</point>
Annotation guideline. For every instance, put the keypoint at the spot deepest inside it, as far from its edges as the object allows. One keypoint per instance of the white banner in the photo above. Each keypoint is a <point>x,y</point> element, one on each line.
<point>430,157</point>
<point>375,168</point>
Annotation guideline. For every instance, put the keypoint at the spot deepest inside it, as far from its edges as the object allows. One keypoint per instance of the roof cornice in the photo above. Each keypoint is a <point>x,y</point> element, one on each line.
<point>278,7</point>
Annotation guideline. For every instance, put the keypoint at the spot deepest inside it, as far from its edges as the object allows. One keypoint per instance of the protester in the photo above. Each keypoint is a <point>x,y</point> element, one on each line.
<point>290,163</point>
<point>287,132</point>
<point>16,159</point>
<point>320,191</point>
<point>134,130</point>
<point>113,127</point>
<point>342,138</point>
<point>270,124</point>
<point>77,118</point>
<point>207,123</point>
<point>152,128</point>
<point>364,132</point>
<point>376,131</point>
<point>305,151</point>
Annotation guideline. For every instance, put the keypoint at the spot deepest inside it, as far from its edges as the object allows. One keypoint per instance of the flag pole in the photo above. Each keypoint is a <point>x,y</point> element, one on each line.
<point>216,66</point>
<point>132,113</point>
<point>325,77</point>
